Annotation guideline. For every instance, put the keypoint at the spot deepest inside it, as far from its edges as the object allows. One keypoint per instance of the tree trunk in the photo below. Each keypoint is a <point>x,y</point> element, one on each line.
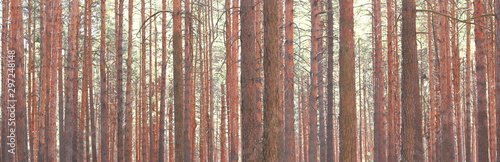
<point>232,85</point>
<point>289,84</point>
<point>178,86</point>
<point>380,137</point>
<point>272,121</point>
<point>128,94</point>
<point>482,113</point>
<point>313,96</point>
<point>412,145</point>
<point>347,118</point>
<point>119,76</point>
<point>223,126</point>
<point>69,143</point>
<point>251,115</point>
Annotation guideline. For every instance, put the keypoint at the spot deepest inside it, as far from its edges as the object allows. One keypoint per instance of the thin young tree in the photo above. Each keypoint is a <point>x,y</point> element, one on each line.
<point>347,118</point>
<point>412,138</point>
<point>163,81</point>
<point>329,88</point>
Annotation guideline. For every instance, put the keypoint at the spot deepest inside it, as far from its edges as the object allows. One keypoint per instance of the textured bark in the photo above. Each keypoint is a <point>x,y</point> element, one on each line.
<point>411,133</point>
<point>313,96</point>
<point>289,85</point>
<point>6,156</point>
<point>251,114</point>
<point>119,77</point>
<point>69,143</point>
<point>105,154</point>
<point>497,72</point>
<point>16,45</point>
<point>189,93</point>
<point>481,119</point>
<point>380,118</point>
<point>393,73</point>
<point>178,86</point>
<point>273,122</point>
<point>232,84</point>
<point>347,118</point>
<point>128,94</point>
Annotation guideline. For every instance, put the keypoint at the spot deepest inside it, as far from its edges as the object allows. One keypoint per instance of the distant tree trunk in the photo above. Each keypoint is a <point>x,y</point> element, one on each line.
<point>178,86</point>
<point>119,77</point>
<point>412,145</point>
<point>313,96</point>
<point>16,50</point>
<point>189,93</point>
<point>456,84</point>
<point>272,121</point>
<point>289,84</point>
<point>380,118</point>
<point>468,99</point>
<point>128,94</point>
<point>162,81</point>
<point>232,84</point>
<point>329,92</point>
<point>223,126</point>
<point>251,115</point>
<point>69,149</point>
<point>482,113</point>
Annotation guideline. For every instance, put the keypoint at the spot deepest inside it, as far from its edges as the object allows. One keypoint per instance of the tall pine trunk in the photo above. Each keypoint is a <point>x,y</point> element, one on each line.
<point>411,133</point>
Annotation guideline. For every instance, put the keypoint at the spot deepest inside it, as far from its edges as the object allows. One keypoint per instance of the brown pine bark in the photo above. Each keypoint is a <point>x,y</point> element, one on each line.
<point>232,84</point>
<point>273,122</point>
<point>178,86</point>
<point>251,115</point>
<point>69,143</point>
<point>497,72</point>
<point>189,93</point>
<point>347,118</point>
<point>329,92</point>
<point>128,94</point>
<point>482,119</point>
<point>6,156</point>
<point>380,118</point>
<point>411,133</point>
<point>17,102</point>
<point>313,96</point>
<point>393,73</point>
<point>105,154</point>
<point>119,76</point>
<point>289,85</point>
